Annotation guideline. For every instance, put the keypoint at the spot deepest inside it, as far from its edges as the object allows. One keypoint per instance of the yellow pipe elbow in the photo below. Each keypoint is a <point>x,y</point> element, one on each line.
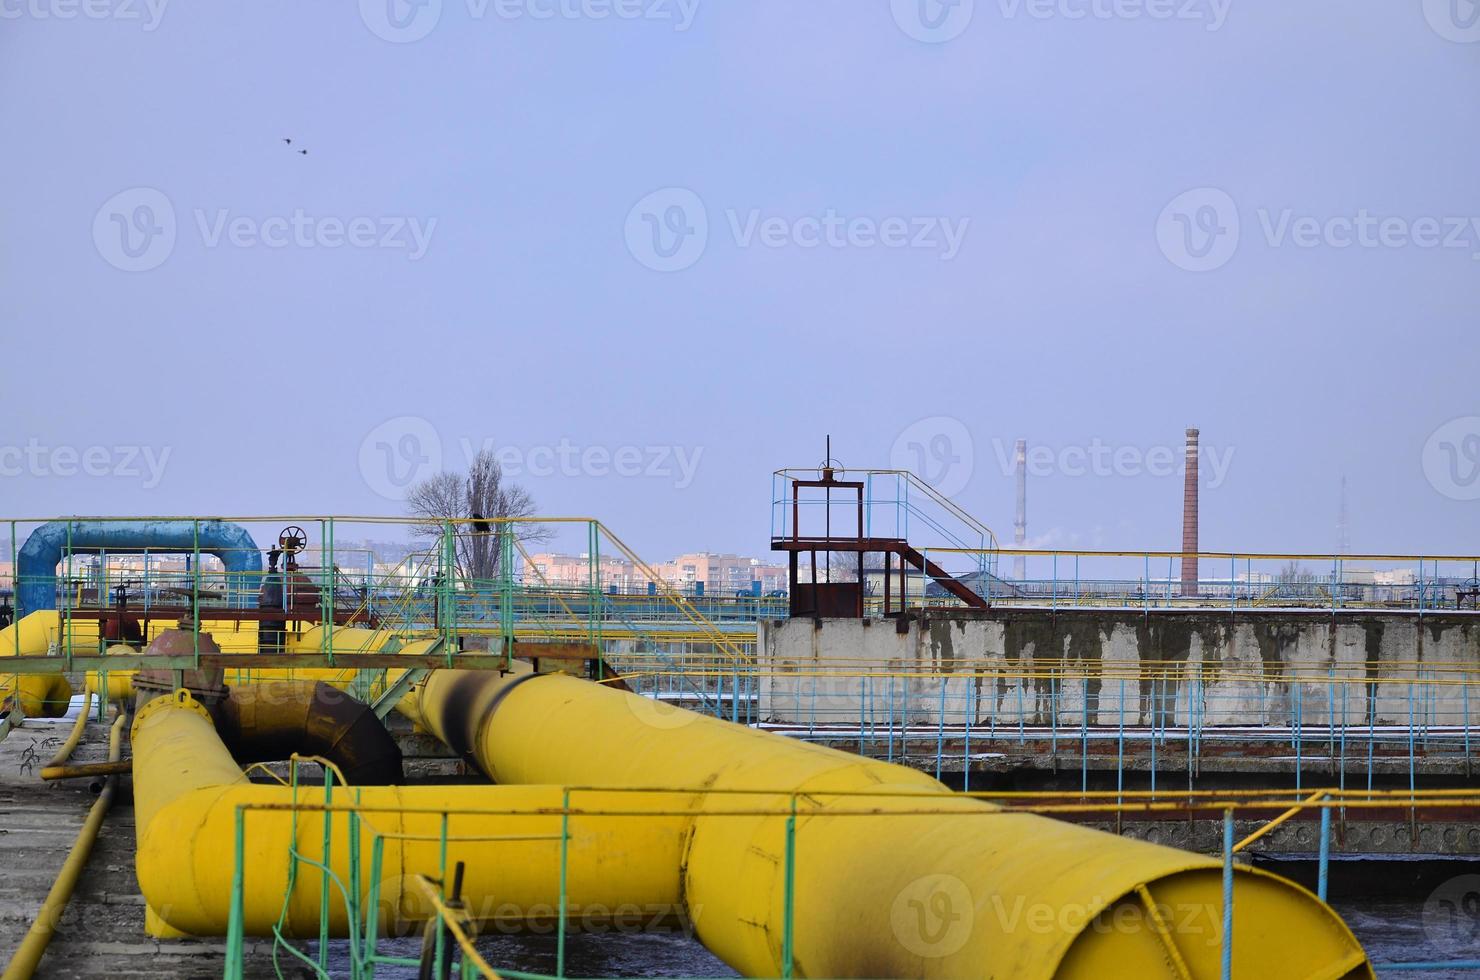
<point>40,695</point>
<point>188,790</point>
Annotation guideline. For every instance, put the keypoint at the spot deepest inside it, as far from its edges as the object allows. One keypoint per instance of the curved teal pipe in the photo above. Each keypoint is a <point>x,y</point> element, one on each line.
<point>36,581</point>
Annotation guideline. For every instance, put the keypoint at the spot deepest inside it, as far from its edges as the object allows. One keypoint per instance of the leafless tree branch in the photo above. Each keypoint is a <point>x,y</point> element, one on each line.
<point>484,497</point>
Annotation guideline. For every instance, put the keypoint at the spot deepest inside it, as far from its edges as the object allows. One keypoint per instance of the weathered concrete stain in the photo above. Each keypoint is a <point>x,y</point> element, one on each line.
<point>942,647</point>
<point>1029,662</point>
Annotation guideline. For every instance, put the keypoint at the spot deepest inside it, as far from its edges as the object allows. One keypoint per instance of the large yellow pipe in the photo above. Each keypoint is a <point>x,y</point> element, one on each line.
<point>973,892</point>
<point>187,790</point>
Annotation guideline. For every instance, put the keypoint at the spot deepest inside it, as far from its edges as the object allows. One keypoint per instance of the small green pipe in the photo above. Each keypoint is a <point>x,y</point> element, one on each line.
<point>564,869</point>
<point>442,884</point>
<point>234,927</point>
<point>372,906</point>
<point>789,897</point>
<point>324,875</point>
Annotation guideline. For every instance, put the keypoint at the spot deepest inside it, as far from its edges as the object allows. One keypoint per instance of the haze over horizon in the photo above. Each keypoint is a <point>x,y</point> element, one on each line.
<point>651,259</point>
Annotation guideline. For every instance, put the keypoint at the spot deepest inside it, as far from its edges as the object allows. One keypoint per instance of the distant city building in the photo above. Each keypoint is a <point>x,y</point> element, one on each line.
<point>717,573</point>
<point>723,572</point>
<point>574,571</point>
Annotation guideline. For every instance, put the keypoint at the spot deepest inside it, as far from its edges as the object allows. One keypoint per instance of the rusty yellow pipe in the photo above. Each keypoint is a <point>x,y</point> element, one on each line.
<point>75,736</point>
<point>188,788</point>
<point>28,954</point>
<point>275,719</point>
<point>971,892</point>
<point>85,770</point>
<point>49,695</point>
<point>345,639</point>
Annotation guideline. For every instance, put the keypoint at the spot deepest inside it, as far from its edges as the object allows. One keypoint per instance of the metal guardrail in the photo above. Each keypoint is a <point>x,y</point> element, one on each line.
<point>446,919</point>
<point>1254,580</point>
<point>444,598</point>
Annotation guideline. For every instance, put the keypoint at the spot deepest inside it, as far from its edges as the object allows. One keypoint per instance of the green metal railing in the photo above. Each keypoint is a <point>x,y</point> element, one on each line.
<point>431,593</point>
<point>362,898</point>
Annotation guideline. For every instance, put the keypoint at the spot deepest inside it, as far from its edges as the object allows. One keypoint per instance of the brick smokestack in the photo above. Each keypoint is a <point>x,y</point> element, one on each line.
<point>1020,526</point>
<point>1189,518</point>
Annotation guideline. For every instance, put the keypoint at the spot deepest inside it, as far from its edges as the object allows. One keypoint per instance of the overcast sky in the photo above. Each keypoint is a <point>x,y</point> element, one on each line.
<point>652,250</point>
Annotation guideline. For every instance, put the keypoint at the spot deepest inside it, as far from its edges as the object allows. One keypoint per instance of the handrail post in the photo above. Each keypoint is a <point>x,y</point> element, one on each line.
<point>235,928</point>
<point>331,576</point>
<point>788,910</point>
<point>325,873</point>
<point>1227,937</point>
<point>195,593</point>
<point>440,950</point>
<point>372,905</point>
<point>1325,859</point>
<point>564,871</point>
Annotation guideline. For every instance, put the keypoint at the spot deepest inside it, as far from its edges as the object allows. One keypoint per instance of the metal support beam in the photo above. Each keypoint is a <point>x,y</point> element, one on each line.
<point>394,692</point>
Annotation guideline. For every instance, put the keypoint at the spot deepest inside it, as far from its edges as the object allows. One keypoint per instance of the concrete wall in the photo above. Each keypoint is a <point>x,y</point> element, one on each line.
<point>1016,666</point>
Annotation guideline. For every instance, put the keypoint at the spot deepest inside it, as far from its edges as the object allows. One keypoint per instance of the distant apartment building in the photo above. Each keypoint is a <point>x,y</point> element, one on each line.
<point>718,573</point>
<point>574,571</point>
<point>726,573</point>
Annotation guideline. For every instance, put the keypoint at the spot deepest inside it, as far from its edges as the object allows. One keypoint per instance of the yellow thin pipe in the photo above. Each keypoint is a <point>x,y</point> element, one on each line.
<point>86,769</point>
<point>1313,798</point>
<point>70,745</point>
<point>1164,933</point>
<point>455,919</point>
<point>28,954</point>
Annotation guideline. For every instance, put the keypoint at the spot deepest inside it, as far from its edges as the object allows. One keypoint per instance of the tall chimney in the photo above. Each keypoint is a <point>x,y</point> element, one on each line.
<point>1020,526</point>
<point>1189,518</point>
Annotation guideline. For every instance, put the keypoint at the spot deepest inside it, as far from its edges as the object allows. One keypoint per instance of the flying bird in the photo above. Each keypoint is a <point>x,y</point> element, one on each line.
<point>287,140</point>
<point>304,152</point>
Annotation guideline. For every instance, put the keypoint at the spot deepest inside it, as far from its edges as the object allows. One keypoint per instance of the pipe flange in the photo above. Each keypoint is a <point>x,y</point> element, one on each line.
<point>179,698</point>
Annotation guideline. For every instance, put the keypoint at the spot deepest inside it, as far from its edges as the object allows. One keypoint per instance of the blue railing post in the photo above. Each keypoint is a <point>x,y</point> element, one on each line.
<point>1227,937</point>
<point>1325,860</point>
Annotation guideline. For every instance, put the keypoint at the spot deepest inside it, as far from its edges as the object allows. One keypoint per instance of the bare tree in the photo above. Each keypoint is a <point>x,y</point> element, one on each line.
<point>482,496</point>
<point>1294,572</point>
<point>842,566</point>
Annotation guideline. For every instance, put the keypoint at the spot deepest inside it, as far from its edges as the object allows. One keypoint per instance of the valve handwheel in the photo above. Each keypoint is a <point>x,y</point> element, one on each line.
<point>293,539</point>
